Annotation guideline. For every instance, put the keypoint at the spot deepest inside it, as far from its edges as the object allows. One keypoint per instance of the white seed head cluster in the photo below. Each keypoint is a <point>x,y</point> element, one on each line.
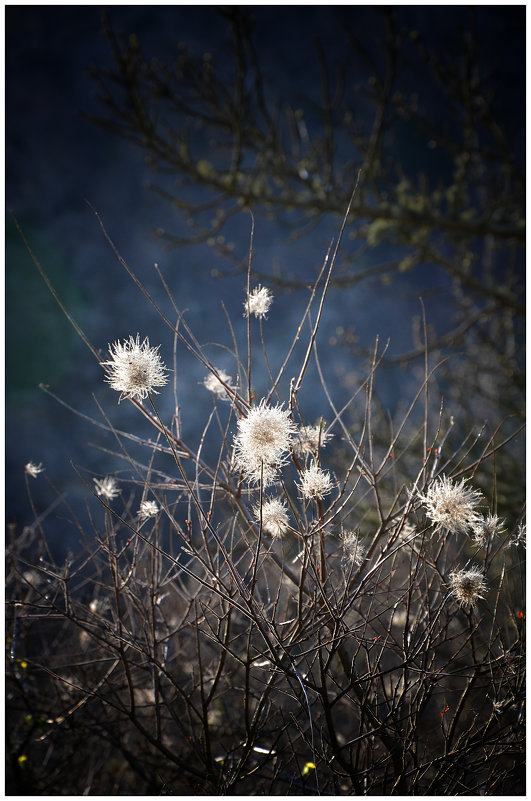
<point>216,385</point>
<point>33,469</point>
<point>258,302</point>
<point>468,586</point>
<point>353,550</point>
<point>263,442</point>
<point>520,535</point>
<point>274,515</point>
<point>315,483</point>
<point>134,369</point>
<point>309,440</point>
<point>33,578</point>
<point>488,528</point>
<point>452,505</point>
<point>107,487</point>
<point>147,509</point>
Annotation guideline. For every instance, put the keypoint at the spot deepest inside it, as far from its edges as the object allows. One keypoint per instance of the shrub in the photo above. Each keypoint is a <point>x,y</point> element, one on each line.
<point>322,608</point>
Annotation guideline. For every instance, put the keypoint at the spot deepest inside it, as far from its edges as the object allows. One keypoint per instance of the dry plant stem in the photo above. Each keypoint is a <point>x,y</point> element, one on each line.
<point>261,624</point>
<point>426,382</point>
<point>193,348</point>
<point>323,294</point>
<point>180,320</point>
<point>37,519</point>
<point>266,357</point>
<point>298,332</point>
<point>116,431</point>
<point>256,555</point>
<point>336,748</point>
<point>338,415</point>
<point>120,647</point>
<point>331,658</point>
<point>249,357</point>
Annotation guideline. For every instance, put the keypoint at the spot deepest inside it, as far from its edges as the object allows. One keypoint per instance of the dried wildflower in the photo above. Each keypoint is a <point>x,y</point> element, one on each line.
<point>134,369</point>
<point>520,537</point>
<point>498,707</point>
<point>148,509</point>
<point>353,551</point>
<point>490,526</point>
<point>315,483</point>
<point>310,439</point>
<point>468,586</point>
<point>33,577</point>
<point>452,505</point>
<point>522,534</point>
<point>107,487</point>
<point>263,442</point>
<point>258,302</point>
<point>33,469</point>
<point>99,605</point>
<point>215,385</point>
<point>274,514</point>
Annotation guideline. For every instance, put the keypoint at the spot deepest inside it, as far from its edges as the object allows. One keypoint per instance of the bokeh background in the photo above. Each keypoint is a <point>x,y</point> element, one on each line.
<point>427,101</point>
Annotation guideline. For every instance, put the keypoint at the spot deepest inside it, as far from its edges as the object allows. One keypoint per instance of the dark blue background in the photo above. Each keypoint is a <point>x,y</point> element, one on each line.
<point>55,160</point>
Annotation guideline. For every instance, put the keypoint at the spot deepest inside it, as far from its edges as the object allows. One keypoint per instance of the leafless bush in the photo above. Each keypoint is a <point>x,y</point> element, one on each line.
<point>219,136</point>
<point>324,608</point>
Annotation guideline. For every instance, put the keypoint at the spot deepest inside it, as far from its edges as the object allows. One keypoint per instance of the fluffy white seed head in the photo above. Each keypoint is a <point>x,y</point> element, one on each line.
<point>491,526</point>
<point>452,505</point>
<point>33,578</point>
<point>215,385</point>
<point>310,439</point>
<point>520,535</point>
<point>134,369</point>
<point>315,483</point>
<point>263,442</point>
<point>274,515</point>
<point>147,509</point>
<point>468,586</point>
<point>107,487</point>
<point>353,550</point>
<point>33,469</point>
<point>258,302</point>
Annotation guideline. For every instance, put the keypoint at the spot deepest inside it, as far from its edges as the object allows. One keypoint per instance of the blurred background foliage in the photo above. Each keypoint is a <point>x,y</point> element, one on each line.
<point>429,121</point>
<point>280,113</point>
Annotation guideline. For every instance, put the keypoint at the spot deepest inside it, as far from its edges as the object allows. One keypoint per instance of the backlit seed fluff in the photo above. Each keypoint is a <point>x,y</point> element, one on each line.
<point>134,369</point>
<point>353,551</point>
<point>274,515</point>
<point>491,526</point>
<point>33,469</point>
<point>215,385</point>
<point>315,483</point>
<point>452,505</point>
<point>263,442</point>
<point>147,509</point>
<point>258,302</point>
<point>107,487</point>
<point>520,535</point>
<point>468,586</point>
<point>310,439</point>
